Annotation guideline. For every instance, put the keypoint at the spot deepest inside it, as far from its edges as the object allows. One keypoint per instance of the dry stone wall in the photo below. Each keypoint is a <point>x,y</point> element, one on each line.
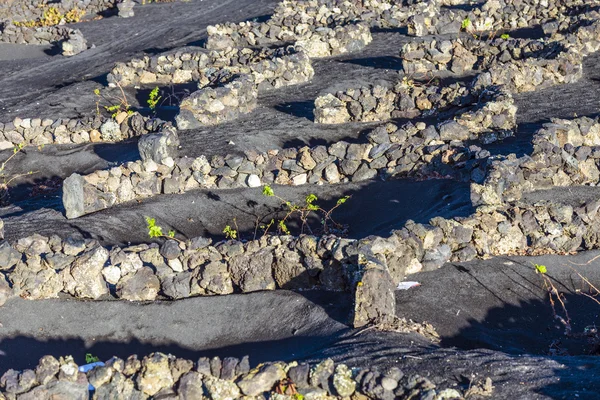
<point>270,68</point>
<point>213,105</point>
<point>565,153</point>
<point>159,376</point>
<point>389,151</point>
<point>30,10</point>
<point>71,40</point>
<point>38,131</point>
<point>487,110</point>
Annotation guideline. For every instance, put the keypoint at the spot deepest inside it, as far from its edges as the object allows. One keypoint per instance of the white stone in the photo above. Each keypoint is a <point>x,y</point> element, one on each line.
<point>112,274</point>
<point>300,179</point>
<point>253,181</point>
<point>176,265</point>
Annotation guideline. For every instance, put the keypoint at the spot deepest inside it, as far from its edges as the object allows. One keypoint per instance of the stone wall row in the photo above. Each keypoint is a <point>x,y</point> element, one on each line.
<point>162,376</point>
<point>480,110</point>
<point>37,131</point>
<point>565,153</point>
<point>270,68</point>
<point>388,151</point>
<point>299,20</point>
<point>30,10</point>
<point>70,40</point>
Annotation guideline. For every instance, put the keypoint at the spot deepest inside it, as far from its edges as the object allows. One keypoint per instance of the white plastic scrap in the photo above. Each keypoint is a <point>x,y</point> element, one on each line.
<point>407,285</point>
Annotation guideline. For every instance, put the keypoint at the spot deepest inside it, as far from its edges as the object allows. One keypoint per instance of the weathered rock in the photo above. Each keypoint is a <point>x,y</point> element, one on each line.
<point>141,285</point>
<point>262,380</point>
<point>159,146</point>
<point>84,277</point>
<point>155,374</point>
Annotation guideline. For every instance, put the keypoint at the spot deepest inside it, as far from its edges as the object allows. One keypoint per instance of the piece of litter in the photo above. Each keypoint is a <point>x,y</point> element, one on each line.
<point>407,285</point>
<point>231,142</point>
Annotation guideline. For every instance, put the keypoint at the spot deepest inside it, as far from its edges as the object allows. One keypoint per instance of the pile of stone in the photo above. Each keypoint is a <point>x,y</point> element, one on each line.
<point>565,153</point>
<point>162,376</point>
<point>482,110</point>
<point>226,100</point>
<point>71,40</point>
<point>388,151</point>
<point>270,68</point>
<point>37,131</point>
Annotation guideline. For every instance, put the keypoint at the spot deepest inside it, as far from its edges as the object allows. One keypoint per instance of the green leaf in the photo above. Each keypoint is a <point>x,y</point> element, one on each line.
<point>171,234</point>
<point>466,23</point>
<point>97,92</point>
<point>229,232</point>
<point>342,200</point>
<point>311,198</point>
<point>540,269</point>
<point>89,358</point>
<point>153,230</point>
<point>267,191</point>
<point>284,227</point>
<point>505,36</point>
<point>153,98</point>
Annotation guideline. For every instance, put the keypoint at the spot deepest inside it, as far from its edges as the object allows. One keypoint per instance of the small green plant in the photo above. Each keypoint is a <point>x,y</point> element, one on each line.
<point>540,269</point>
<point>114,105</point>
<point>156,231</point>
<point>505,36</point>
<point>5,180</point>
<point>153,98</point>
<point>230,233</point>
<point>90,358</point>
<point>304,212</point>
<point>466,24</point>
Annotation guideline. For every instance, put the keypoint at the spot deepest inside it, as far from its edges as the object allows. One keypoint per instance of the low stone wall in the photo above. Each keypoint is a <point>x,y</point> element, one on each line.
<point>213,105</point>
<point>270,68</point>
<point>388,151</point>
<point>71,40</point>
<point>30,10</point>
<point>295,20</point>
<point>496,15</point>
<point>466,54</point>
<point>37,131</point>
<point>39,267</point>
<point>493,110</point>
<point>326,42</point>
<point>565,153</point>
<point>164,376</point>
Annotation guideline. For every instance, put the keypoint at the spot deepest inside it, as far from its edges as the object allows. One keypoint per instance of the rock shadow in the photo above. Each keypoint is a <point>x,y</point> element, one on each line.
<point>300,109</point>
<point>383,62</point>
<point>530,325</point>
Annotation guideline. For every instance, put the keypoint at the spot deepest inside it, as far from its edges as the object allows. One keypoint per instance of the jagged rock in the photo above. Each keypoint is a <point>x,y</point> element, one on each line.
<point>262,380</point>
<point>75,44</point>
<point>159,146</point>
<point>141,285</point>
<point>252,272</point>
<point>220,389</point>
<point>155,374</point>
<point>8,256</point>
<point>374,297</point>
<point>84,277</point>
<point>126,8</point>
<point>190,386</point>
